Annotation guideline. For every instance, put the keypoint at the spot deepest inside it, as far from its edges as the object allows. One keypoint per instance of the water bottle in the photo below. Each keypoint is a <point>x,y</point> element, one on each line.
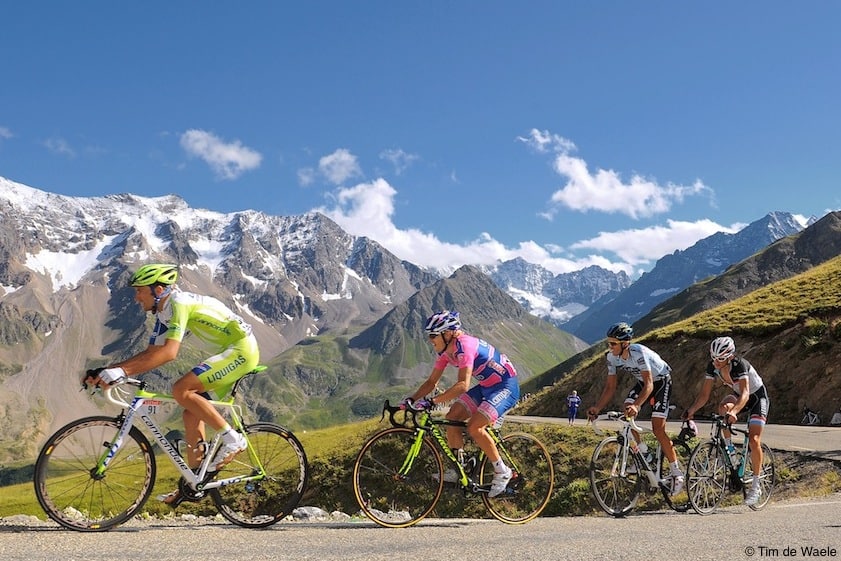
<point>735,459</point>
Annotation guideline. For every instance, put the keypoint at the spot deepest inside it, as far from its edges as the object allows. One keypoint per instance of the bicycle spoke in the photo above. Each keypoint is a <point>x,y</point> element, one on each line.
<point>531,487</point>
<point>706,478</point>
<point>615,493</point>
<point>72,496</point>
<point>767,478</point>
<point>277,457</point>
<point>391,491</point>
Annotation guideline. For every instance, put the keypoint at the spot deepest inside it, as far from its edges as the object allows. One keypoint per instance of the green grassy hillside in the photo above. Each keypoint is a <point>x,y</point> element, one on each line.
<point>789,330</point>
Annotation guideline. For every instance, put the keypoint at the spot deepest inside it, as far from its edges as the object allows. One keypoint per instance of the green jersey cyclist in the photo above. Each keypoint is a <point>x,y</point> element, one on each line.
<point>234,354</point>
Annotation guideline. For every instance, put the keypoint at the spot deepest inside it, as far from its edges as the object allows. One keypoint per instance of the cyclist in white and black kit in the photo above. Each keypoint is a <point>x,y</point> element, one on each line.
<point>654,383</point>
<point>749,395</point>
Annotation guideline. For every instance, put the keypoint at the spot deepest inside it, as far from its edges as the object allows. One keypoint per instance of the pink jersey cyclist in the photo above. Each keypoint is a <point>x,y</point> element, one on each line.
<point>497,391</point>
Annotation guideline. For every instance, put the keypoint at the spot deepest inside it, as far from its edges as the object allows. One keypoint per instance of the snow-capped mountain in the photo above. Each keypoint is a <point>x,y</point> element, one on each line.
<point>675,272</point>
<point>556,298</point>
<point>277,268</point>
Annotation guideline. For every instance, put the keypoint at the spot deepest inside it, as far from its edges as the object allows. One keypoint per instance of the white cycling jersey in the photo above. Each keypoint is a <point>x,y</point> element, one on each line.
<point>640,358</point>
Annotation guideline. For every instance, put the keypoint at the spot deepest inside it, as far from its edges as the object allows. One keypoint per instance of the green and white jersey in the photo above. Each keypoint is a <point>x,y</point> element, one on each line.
<point>208,319</point>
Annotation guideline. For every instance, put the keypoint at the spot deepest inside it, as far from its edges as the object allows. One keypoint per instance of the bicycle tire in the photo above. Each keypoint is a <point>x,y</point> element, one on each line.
<point>387,496</point>
<point>767,477</point>
<point>707,477</point>
<point>72,495</point>
<point>531,486</point>
<point>279,456</point>
<point>616,494</point>
<point>679,502</point>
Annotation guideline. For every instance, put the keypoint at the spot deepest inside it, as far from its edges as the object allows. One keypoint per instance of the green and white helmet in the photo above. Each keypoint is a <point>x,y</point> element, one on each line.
<point>155,273</point>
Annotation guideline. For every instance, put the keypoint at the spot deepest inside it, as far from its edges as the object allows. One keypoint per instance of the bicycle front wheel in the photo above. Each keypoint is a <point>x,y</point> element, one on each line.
<point>706,478</point>
<point>74,495</point>
<point>767,478</point>
<point>277,457</point>
<point>531,486</point>
<point>679,502</point>
<point>393,487</point>
<point>616,493</point>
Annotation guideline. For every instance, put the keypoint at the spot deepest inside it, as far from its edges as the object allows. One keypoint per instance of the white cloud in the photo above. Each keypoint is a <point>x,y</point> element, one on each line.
<point>367,209</point>
<point>5,133</point>
<point>227,160</point>
<point>399,159</point>
<point>604,190</point>
<point>645,245</point>
<point>339,166</point>
<point>306,176</point>
<point>60,146</point>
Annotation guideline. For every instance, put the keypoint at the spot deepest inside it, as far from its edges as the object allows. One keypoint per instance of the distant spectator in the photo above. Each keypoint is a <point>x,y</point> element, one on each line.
<point>573,401</point>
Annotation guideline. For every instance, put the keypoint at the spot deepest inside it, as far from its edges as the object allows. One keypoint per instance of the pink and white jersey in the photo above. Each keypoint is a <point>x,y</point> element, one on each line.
<point>490,367</point>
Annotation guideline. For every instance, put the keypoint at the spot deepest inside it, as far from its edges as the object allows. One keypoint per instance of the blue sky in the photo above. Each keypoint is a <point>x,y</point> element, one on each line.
<point>567,133</point>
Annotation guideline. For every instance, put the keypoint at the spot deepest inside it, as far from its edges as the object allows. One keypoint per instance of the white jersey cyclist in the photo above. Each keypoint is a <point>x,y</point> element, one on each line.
<point>640,359</point>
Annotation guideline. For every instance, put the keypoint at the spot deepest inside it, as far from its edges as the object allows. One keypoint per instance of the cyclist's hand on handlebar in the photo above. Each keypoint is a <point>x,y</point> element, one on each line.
<point>90,377</point>
<point>111,375</point>
<point>422,404</point>
<point>103,376</point>
<point>405,403</point>
<point>631,410</point>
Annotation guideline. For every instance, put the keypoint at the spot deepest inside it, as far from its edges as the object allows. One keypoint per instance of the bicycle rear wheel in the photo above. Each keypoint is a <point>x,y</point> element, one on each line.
<point>616,494</point>
<point>767,478</point>
<point>680,501</point>
<point>530,488</point>
<point>706,478</point>
<point>393,489</point>
<point>72,494</point>
<point>276,455</point>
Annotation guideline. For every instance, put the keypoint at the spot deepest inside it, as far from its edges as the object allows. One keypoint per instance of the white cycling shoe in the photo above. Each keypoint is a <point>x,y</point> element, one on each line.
<point>500,482</point>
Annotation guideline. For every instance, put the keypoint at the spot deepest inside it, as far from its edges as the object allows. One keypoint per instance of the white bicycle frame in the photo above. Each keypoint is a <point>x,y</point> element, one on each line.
<point>142,405</point>
<point>629,425</point>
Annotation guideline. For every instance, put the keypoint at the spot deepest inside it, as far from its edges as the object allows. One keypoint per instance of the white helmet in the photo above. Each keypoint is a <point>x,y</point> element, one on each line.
<point>722,348</point>
<point>440,322</point>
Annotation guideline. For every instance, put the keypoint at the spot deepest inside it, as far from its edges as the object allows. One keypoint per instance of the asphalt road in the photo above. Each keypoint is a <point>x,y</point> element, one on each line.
<point>782,529</point>
<point>819,441</point>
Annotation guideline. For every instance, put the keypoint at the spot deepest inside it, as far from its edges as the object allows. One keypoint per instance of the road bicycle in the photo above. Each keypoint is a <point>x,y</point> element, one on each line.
<point>810,417</point>
<point>713,471</point>
<point>620,472</point>
<point>398,475</point>
<point>96,473</point>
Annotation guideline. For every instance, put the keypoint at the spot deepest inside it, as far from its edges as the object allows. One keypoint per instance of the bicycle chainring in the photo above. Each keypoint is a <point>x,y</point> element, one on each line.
<point>188,493</point>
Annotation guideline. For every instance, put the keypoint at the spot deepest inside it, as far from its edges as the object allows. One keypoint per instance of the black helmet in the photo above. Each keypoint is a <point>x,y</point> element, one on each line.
<point>621,331</point>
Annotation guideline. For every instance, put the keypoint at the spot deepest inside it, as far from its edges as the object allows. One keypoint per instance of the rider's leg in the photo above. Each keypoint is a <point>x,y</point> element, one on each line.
<point>755,440</point>
<point>455,437</point>
<point>658,425</point>
<point>187,392</point>
<point>193,433</point>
